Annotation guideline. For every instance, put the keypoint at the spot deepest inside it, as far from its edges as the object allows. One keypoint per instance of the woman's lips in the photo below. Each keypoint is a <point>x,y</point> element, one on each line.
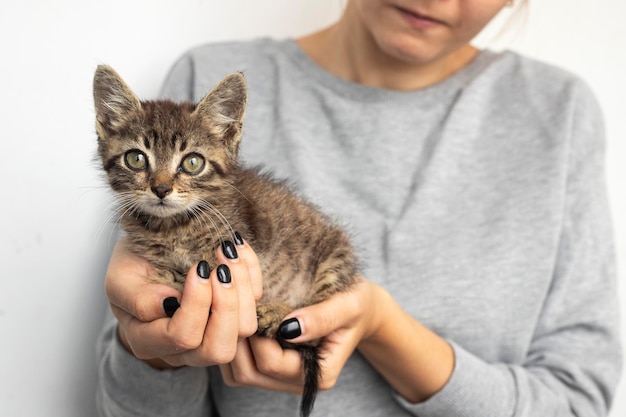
<point>419,21</point>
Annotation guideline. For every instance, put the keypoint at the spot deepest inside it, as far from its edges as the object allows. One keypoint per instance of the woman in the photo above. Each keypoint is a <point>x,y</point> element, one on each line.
<point>472,183</point>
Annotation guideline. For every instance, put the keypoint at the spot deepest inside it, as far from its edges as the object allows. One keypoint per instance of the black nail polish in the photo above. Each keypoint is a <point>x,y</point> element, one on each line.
<point>223,274</point>
<point>238,239</point>
<point>229,250</point>
<point>170,305</point>
<point>290,329</point>
<point>203,269</point>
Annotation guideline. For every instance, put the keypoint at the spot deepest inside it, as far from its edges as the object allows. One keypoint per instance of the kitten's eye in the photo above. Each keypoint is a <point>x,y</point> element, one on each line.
<point>136,160</point>
<point>192,164</point>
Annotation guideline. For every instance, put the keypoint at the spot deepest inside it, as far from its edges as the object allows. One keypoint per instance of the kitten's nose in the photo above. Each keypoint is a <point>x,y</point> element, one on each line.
<point>161,190</point>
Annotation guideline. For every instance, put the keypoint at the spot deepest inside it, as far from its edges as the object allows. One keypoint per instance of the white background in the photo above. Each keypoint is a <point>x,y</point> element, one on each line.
<point>54,237</point>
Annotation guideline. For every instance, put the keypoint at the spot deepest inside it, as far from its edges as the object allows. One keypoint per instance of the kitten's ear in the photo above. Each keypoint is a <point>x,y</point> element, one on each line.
<point>114,100</point>
<point>224,107</point>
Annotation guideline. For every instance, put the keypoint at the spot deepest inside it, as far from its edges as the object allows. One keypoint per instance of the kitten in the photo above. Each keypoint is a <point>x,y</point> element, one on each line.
<point>182,192</point>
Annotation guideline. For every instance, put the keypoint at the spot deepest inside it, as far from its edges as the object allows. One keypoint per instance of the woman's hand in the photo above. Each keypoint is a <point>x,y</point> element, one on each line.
<point>343,320</point>
<point>415,361</point>
<point>190,336</point>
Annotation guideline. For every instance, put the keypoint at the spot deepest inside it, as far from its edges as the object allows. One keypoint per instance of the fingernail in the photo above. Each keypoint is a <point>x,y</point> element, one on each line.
<point>238,239</point>
<point>290,329</point>
<point>170,305</point>
<point>223,274</point>
<point>228,249</point>
<point>203,270</point>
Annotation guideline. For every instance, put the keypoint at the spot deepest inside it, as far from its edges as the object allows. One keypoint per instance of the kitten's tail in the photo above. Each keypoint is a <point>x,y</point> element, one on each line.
<point>311,365</point>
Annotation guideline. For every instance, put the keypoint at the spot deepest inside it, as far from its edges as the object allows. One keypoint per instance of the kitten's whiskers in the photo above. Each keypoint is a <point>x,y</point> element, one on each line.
<point>120,205</point>
<point>196,213</point>
<point>208,210</point>
<point>237,189</point>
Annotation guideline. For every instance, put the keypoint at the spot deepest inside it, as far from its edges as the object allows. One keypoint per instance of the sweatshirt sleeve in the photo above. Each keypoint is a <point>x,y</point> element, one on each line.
<point>129,387</point>
<point>573,363</point>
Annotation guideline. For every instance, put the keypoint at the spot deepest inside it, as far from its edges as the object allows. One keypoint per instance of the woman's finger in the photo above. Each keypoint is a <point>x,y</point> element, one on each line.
<point>234,257</point>
<point>342,310</point>
<point>248,256</point>
<point>188,323</point>
<point>243,370</point>
<point>275,361</point>
<point>219,339</point>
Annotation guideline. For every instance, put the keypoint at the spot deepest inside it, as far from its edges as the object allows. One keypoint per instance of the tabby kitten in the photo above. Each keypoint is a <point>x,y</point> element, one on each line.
<point>182,192</point>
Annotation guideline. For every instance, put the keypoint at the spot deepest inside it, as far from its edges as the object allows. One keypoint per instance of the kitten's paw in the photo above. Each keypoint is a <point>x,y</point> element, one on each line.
<point>269,317</point>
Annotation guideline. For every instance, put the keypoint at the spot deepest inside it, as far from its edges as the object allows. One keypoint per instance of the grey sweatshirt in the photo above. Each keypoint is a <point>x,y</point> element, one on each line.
<point>478,203</point>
